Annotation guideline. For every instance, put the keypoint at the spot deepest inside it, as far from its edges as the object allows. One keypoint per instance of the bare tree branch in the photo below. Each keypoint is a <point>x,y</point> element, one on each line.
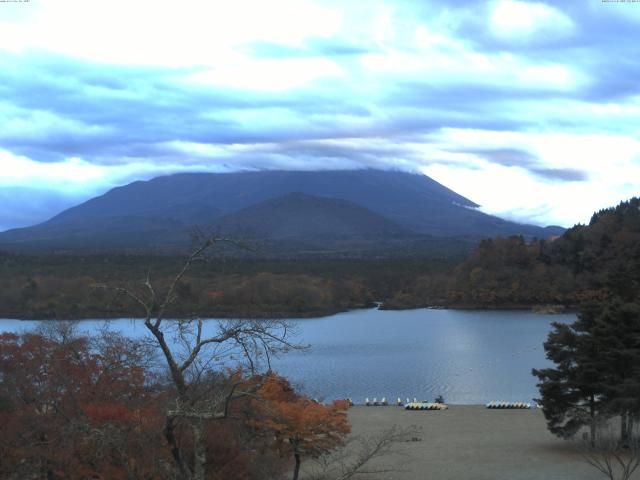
<point>360,454</point>
<point>612,458</point>
<point>200,395</point>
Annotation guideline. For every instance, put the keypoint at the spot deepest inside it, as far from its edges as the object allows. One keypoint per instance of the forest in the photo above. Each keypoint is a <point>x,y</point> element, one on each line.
<point>188,405</point>
<point>79,407</point>
<point>179,404</point>
<point>585,263</point>
<point>588,262</point>
<point>64,286</point>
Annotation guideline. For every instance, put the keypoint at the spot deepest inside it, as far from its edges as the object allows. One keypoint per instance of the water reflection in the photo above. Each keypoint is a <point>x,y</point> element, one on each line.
<point>466,356</point>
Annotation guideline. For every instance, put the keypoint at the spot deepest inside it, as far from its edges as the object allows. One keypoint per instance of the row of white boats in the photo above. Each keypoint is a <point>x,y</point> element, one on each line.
<point>399,402</point>
<point>424,405</point>
<point>494,404</point>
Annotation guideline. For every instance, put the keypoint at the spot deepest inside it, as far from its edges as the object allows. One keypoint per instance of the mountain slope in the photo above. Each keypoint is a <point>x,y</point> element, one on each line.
<point>159,212</point>
<point>202,197</point>
<point>301,215</point>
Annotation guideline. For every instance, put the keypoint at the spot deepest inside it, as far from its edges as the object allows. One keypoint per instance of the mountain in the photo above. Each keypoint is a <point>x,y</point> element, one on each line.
<point>159,213</point>
<point>298,225</point>
<point>298,215</point>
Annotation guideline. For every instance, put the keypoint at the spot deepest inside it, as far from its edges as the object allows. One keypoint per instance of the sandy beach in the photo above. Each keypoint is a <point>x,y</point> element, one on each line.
<point>472,442</point>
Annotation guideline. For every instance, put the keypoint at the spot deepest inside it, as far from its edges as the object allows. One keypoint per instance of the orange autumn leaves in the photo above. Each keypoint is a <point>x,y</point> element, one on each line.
<point>83,407</point>
<point>68,410</point>
<point>300,425</point>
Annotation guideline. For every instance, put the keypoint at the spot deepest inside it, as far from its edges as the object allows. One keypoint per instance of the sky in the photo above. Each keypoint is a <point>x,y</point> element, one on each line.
<point>530,109</point>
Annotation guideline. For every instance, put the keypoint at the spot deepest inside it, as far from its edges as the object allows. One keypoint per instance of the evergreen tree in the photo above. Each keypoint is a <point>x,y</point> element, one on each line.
<point>597,373</point>
<point>571,394</point>
<point>616,329</point>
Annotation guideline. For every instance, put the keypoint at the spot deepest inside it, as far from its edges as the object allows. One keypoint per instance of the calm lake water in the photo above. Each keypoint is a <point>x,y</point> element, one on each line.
<point>468,357</point>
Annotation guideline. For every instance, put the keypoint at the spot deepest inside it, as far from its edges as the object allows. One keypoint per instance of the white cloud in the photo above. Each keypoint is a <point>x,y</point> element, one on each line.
<point>365,101</point>
<point>612,163</point>
<point>442,60</point>
<point>33,124</point>
<point>528,21</point>
<point>22,171</point>
<point>267,75</point>
<point>80,177</point>
<point>189,32</point>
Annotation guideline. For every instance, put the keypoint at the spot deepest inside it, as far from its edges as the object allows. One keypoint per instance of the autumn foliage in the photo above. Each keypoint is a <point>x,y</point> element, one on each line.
<point>70,411</point>
<point>80,408</point>
<point>301,427</point>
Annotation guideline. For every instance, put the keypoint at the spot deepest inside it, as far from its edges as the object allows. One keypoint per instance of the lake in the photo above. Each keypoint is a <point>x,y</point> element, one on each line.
<point>468,357</point>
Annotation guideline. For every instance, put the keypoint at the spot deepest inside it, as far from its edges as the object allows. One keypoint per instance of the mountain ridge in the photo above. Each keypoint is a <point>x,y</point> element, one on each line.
<point>159,213</point>
<point>299,214</point>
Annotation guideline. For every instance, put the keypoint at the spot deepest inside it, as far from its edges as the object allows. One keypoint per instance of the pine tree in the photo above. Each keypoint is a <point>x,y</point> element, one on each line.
<point>571,395</point>
<point>615,326</point>
<point>597,373</point>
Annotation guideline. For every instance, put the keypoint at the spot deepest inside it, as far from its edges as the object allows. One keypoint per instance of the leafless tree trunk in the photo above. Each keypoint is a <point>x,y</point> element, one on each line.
<point>296,469</point>
<point>594,420</point>
<point>190,355</point>
<point>359,456</point>
<point>624,428</point>
<point>610,457</point>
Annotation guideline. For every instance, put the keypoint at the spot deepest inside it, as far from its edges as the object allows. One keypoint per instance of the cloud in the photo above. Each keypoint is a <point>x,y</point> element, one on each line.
<point>544,94</point>
<point>520,21</point>
<point>312,47</point>
<point>533,176</point>
<point>21,170</point>
<point>561,174</point>
<point>192,32</point>
<point>514,157</point>
<point>509,157</point>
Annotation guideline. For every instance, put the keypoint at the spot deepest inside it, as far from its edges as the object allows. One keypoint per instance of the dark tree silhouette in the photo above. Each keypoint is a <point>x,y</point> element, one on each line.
<point>597,372</point>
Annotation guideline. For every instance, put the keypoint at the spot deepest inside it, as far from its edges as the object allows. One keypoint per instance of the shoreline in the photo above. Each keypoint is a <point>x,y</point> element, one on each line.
<point>534,308</point>
<point>471,441</point>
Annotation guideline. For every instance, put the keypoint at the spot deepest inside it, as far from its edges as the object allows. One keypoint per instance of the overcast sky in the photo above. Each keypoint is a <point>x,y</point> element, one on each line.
<point>530,109</point>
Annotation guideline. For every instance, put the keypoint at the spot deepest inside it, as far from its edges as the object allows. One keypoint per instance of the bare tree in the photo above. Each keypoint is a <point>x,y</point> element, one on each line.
<point>361,456</point>
<point>616,460</point>
<point>62,331</point>
<point>195,352</point>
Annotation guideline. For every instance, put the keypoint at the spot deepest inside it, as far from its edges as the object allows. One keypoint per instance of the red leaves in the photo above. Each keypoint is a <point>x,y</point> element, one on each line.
<point>69,411</point>
<point>341,404</point>
<point>300,425</point>
<point>89,408</point>
<point>109,412</point>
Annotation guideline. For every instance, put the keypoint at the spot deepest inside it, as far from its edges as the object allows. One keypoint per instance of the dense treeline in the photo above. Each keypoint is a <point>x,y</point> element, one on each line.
<point>64,286</point>
<point>588,262</point>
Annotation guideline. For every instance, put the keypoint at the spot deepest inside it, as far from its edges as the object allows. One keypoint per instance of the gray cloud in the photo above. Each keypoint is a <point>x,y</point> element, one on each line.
<point>561,174</point>
<point>123,112</point>
<point>510,157</point>
<point>314,47</point>
<point>140,108</point>
<point>54,107</point>
<point>602,44</point>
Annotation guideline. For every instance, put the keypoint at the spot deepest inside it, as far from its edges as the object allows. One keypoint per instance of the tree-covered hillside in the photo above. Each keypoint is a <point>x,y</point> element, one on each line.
<point>588,262</point>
